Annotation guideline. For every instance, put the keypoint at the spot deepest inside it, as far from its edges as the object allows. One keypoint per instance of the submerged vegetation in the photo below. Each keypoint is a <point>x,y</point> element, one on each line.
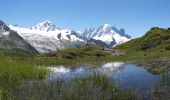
<point>162,90</point>
<point>88,87</point>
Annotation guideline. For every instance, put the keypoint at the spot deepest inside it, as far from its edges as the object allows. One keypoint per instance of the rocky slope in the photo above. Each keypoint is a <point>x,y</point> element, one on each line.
<point>11,41</point>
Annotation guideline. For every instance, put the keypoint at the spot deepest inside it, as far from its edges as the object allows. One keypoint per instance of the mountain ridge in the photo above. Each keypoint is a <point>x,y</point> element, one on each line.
<point>108,34</point>
<point>46,37</point>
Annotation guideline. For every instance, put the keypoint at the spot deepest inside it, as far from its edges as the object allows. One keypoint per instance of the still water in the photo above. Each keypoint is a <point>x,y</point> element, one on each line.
<point>128,75</point>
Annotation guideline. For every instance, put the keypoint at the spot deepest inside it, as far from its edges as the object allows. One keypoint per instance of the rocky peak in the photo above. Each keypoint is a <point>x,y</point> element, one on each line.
<point>45,26</point>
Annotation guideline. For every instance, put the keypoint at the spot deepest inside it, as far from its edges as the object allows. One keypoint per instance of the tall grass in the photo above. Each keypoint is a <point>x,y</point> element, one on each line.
<point>21,80</point>
<point>162,90</point>
<point>13,73</point>
<point>88,87</point>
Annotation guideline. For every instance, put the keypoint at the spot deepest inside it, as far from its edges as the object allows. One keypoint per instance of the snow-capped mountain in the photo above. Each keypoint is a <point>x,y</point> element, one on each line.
<point>45,36</point>
<point>108,34</point>
<point>45,26</point>
<point>11,41</point>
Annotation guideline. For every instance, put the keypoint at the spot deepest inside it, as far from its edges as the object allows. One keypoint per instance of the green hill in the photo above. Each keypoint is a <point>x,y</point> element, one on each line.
<point>156,39</point>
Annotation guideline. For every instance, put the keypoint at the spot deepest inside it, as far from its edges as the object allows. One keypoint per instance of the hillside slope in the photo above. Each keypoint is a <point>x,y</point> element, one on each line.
<point>156,39</point>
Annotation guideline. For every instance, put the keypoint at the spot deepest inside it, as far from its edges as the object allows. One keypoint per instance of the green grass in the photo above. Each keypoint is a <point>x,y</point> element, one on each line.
<point>128,56</point>
<point>13,73</point>
<point>70,56</point>
<point>156,39</point>
<point>82,52</point>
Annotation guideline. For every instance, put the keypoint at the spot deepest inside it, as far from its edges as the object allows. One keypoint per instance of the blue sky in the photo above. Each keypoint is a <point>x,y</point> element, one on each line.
<point>135,16</point>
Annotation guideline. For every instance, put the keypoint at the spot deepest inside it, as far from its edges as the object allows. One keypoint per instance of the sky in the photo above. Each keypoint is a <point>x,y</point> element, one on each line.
<point>135,16</point>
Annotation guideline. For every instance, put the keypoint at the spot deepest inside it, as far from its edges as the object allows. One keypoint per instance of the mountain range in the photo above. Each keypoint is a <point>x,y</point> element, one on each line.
<point>108,34</point>
<point>45,36</point>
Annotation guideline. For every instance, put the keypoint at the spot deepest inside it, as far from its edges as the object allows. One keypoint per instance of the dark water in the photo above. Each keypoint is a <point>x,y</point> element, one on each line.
<point>127,74</point>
